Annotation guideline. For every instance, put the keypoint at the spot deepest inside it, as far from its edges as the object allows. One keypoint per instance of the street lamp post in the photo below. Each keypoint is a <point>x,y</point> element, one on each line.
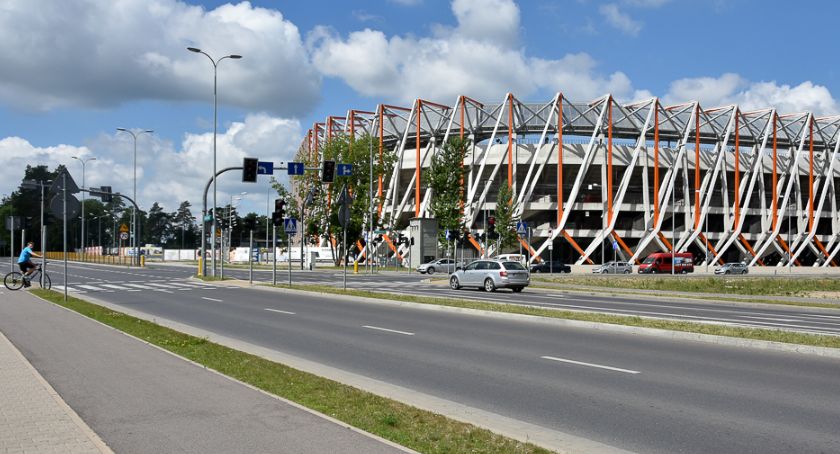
<point>84,163</point>
<point>215,122</point>
<point>134,193</point>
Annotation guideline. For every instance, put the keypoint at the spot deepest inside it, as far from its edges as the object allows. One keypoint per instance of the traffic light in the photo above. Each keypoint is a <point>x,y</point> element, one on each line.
<point>280,207</point>
<point>328,171</point>
<point>250,170</point>
<point>277,219</point>
<point>491,227</point>
<point>106,195</point>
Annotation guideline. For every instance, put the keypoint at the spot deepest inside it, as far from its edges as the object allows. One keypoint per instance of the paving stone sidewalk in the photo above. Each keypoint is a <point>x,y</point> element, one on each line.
<point>33,417</point>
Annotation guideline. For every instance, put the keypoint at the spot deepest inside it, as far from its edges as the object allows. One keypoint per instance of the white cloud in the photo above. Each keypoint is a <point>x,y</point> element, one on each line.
<point>478,57</point>
<point>101,54</point>
<point>621,21</point>
<point>645,3</point>
<point>166,174</point>
<point>733,89</point>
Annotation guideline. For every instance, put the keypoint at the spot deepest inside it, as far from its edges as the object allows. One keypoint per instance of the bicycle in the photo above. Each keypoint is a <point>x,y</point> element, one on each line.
<point>14,280</point>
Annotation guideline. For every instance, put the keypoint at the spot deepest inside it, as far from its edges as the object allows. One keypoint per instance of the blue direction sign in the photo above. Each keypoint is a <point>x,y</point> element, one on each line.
<point>448,235</point>
<point>296,168</point>
<point>344,170</point>
<point>615,245</point>
<point>265,168</point>
<point>290,225</point>
<point>521,227</point>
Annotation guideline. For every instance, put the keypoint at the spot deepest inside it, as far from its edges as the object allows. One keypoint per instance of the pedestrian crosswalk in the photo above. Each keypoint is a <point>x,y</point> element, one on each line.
<point>163,286</point>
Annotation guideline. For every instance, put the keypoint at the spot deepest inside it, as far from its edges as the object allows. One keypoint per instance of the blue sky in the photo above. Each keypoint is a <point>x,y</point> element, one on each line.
<point>76,70</point>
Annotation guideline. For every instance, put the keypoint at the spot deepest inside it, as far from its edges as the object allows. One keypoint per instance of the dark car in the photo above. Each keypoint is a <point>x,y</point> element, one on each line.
<point>550,267</point>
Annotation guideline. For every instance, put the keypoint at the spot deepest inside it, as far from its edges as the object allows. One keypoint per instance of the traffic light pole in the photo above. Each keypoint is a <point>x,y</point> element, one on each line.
<point>274,255</point>
<point>204,228</point>
<point>137,230</point>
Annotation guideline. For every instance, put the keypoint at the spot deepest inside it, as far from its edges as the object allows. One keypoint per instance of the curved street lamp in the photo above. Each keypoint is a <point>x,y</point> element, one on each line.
<point>215,121</point>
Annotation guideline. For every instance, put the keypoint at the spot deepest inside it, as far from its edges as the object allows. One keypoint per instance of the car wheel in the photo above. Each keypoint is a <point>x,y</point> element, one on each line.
<point>517,289</point>
<point>653,271</point>
<point>726,272</point>
<point>489,286</point>
<point>626,271</point>
<point>603,271</point>
<point>454,284</point>
<point>684,272</point>
<point>431,270</point>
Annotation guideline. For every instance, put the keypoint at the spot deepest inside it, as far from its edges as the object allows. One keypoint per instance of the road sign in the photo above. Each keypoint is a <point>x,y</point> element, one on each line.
<point>58,182</point>
<point>290,225</point>
<point>344,170</point>
<point>550,246</point>
<point>615,245</point>
<point>12,222</point>
<point>521,227</point>
<point>123,228</point>
<point>74,207</point>
<point>265,168</point>
<point>123,236</point>
<point>295,168</point>
<point>448,235</point>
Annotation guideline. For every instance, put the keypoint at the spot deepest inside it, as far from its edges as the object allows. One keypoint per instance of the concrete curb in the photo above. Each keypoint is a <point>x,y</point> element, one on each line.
<point>654,332</point>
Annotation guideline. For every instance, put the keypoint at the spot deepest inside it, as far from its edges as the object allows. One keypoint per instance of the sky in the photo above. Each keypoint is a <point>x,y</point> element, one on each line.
<point>75,70</point>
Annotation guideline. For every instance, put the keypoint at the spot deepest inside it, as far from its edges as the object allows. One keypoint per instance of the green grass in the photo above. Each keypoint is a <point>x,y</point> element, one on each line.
<point>740,285</point>
<point>787,337</point>
<point>417,429</point>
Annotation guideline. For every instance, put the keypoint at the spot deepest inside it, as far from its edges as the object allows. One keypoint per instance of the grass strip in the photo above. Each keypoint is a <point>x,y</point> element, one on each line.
<point>738,285</point>
<point>788,337</point>
<point>417,429</point>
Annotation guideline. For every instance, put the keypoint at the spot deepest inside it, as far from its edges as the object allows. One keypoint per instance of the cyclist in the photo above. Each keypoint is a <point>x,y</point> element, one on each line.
<point>25,262</point>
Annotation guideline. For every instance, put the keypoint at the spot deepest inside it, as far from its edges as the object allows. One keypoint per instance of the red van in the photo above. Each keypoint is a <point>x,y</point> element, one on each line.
<point>660,262</point>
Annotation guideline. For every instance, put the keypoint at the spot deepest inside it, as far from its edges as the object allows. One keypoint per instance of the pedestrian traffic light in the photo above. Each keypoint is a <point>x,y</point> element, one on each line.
<point>491,227</point>
<point>276,219</point>
<point>250,170</point>
<point>328,171</point>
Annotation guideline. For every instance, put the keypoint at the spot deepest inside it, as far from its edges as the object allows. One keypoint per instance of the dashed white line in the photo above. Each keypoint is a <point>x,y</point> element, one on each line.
<point>211,299</point>
<point>599,366</point>
<point>279,311</point>
<point>406,333</point>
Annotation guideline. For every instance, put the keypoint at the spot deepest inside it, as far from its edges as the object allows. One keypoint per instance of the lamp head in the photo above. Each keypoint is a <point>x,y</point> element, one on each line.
<point>234,56</point>
<point>194,49</point>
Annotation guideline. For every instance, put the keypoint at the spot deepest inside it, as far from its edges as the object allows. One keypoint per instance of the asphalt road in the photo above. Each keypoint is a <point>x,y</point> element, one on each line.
<point>795,318</point>
<point>634,392</point>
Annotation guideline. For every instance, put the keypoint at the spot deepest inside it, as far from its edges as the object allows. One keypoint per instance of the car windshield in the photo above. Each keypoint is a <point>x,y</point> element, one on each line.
<point>649,260</point>
<point>513,265</point>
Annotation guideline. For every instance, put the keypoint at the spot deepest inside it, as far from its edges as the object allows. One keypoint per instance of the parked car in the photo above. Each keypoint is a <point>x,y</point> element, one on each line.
<point>550,267</point>
<point>614,268</point>
<point>660,262</point>
<point>442,265</point>
<point>491,275</point>
<point>732,268</point>
<point>511,257</point>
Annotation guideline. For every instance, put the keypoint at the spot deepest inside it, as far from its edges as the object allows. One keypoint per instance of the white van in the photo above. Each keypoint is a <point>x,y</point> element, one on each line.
<point>511,258</point>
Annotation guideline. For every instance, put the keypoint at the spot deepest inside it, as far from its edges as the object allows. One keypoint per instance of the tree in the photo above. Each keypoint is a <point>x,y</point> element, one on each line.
<point>505,222</point>
<point>444,178</point>
<point>185,221</point>
<point>158,226</point>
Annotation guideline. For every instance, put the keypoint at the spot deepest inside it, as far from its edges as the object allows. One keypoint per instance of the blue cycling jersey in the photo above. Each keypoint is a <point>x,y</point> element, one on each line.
<point>25,255</point>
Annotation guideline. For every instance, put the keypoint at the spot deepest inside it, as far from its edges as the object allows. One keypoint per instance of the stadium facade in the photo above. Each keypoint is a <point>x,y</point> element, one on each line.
<point>602,179</point>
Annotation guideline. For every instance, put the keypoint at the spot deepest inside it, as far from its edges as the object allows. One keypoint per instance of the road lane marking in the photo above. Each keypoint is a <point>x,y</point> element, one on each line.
<point>94,288</point>
<point>118,287</point>
<point>775,319</point>
<point>279,311</point>
<point>599,366</point>
<point>211,299</point>
<point>387,330</point>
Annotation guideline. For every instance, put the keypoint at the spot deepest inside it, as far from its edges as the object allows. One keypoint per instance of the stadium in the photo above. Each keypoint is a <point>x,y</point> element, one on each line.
<point>601,179</point>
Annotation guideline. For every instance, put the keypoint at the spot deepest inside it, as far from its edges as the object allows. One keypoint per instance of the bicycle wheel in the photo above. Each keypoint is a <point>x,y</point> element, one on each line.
<point>47,283</point>
<point>13,281</point>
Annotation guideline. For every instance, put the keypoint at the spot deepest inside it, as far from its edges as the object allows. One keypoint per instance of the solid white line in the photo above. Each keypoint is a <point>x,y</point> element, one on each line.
<point>388,330</point>
<point>211,299</point>
<point>599,366</point>
<point>279,311</point>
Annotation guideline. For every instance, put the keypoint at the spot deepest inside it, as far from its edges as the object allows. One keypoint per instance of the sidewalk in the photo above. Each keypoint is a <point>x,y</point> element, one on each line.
<point>138,398</point>
<point>33,417</point>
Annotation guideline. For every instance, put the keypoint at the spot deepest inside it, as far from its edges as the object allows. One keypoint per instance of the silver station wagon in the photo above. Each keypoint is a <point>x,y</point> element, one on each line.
<point>491,275</point>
